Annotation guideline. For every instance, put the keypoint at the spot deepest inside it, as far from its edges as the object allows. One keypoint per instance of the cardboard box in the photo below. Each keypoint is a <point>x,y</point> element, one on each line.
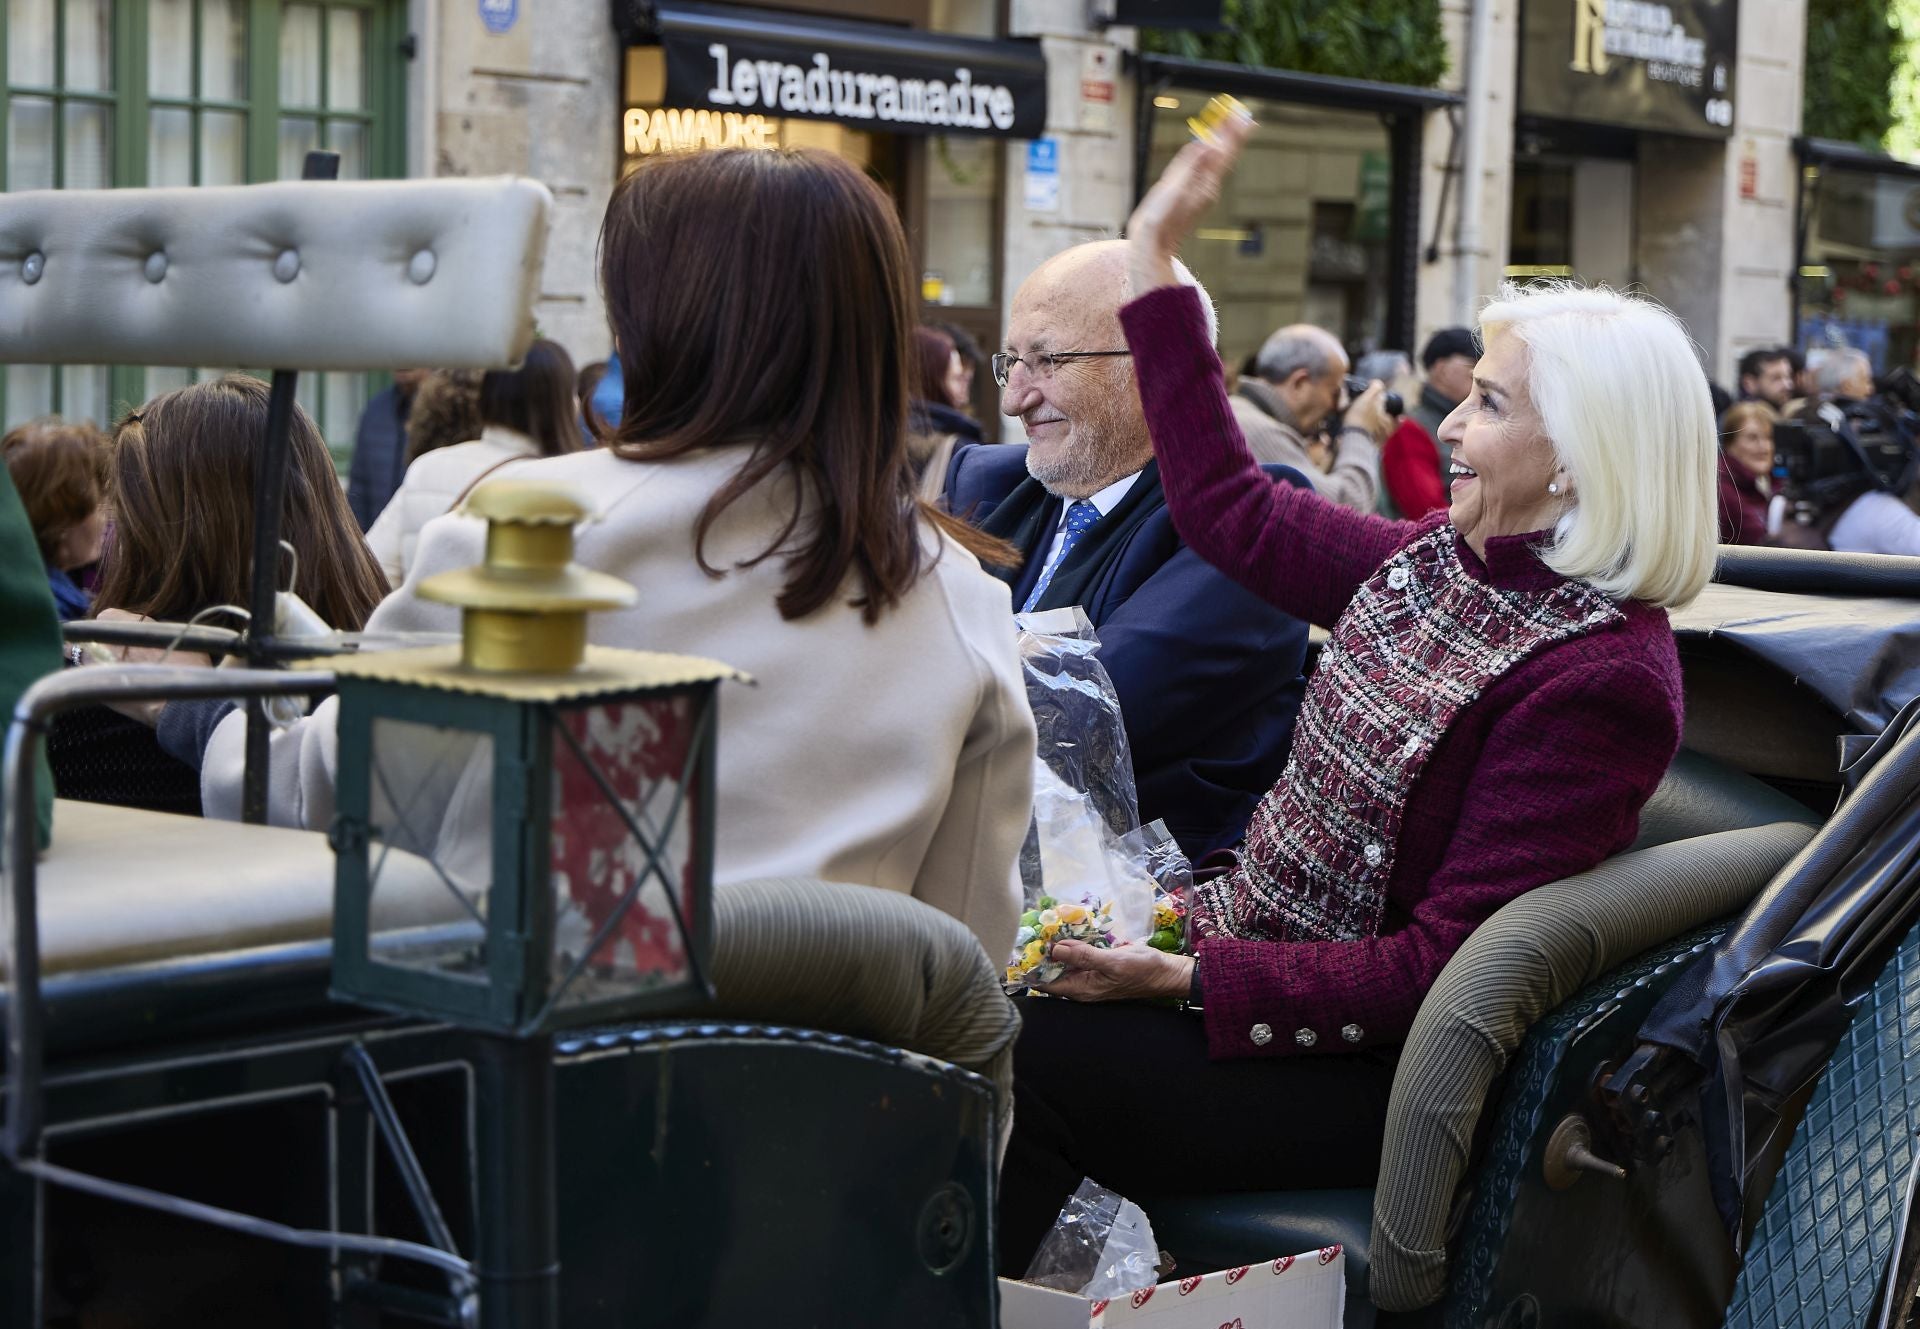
<point>1293,1292</point>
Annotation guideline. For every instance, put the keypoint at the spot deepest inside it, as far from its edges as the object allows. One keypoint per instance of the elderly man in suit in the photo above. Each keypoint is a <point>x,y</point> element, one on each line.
<point>1208,674</point>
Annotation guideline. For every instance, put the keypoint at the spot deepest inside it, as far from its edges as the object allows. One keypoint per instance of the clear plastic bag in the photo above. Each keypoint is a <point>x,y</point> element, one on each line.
<point>1101,1246</point>
<point>1087,886</point>
<point>1166,862</point>
<point>1089,873</point>
<point>1076,709</point>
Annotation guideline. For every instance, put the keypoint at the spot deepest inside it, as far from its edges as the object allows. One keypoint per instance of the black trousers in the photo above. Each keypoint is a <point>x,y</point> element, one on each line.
<point>1125,1093</point>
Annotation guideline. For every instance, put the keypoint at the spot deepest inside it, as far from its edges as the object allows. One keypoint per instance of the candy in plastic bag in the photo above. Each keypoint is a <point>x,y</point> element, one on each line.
<point>1100,1247</point>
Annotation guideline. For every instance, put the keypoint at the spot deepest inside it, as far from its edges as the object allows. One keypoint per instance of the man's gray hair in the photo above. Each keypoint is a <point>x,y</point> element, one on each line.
<point>1837,366</point>
<point>1386,366</point>
<point>1185,274</point>
<point>1287,351</point>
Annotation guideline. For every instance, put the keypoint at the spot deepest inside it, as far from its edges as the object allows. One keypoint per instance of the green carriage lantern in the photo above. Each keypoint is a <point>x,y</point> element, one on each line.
<point>562,794</point>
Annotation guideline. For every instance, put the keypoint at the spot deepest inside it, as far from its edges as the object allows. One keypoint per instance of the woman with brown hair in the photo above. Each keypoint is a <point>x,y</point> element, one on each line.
<point>526,412</point>
<point>757,489</point>
<point>180,482</point>
<point>182,492</point>
<point>60,470</point>
<point>940,423</point>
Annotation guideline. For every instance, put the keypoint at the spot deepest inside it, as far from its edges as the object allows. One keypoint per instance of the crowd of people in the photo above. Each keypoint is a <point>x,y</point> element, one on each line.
<point>802,494</point>
<point>1815,456</point>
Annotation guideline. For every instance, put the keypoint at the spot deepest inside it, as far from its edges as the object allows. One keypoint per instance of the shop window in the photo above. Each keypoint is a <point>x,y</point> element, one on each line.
<point>60,112</point>
<point>323,87</point>
<point>203,110</point>
<point>962,217</point>
<point>1302,232</point>
<point>1540,242</point>
<point>197,92</point>
<point>1859,280</point>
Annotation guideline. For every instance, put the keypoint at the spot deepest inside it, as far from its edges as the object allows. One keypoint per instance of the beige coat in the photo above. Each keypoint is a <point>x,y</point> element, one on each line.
<point>1354,481</point>
<point>898,755</point>
<point>435,482</point>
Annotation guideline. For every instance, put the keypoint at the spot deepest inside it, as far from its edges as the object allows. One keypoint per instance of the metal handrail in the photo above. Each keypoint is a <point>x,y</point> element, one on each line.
<point>47,698</point>
<point>198,638</point>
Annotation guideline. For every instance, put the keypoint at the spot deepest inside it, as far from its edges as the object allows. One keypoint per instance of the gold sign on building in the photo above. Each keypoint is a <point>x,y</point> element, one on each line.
<point>668,129</point>
<point>1589,36</point>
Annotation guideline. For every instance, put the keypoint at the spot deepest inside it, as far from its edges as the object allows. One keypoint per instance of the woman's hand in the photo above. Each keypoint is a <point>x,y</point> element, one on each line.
<point>1121,973</point>
<point>1186,189</point>
<point>146,712</point>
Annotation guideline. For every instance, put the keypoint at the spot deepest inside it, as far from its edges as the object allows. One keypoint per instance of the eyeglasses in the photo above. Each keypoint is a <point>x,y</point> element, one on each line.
<point>1041,364</point>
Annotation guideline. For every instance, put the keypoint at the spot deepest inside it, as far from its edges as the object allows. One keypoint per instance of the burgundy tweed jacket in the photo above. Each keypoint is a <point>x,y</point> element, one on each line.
<point>1541,777</point>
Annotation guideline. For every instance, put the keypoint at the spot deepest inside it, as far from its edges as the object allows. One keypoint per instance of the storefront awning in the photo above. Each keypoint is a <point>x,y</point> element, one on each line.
<point>868,75</point>
<point>1346,94</point>
<point>1852,157</point>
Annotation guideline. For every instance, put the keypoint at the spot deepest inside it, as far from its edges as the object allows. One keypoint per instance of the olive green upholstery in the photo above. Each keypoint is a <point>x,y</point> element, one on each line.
<point>862,961</point>
<point>1711,838</point>
<point>1536,953</point>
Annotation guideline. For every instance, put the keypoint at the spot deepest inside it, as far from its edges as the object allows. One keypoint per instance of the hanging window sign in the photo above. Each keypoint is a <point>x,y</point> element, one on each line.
<point>1663,67</point>
<point>887,80</point>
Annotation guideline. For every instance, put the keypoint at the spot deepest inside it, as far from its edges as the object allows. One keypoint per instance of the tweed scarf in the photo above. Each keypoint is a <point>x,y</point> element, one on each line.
<point>1420,640</point>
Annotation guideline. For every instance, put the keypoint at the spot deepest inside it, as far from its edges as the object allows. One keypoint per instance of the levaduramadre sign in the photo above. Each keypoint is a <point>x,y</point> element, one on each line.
<point>1665,67</point>
<point>909,87</point>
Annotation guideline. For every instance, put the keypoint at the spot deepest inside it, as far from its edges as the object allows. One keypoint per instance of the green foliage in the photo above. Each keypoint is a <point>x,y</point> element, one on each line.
<point>1851,57</point>
<point>1392,41</point>
<point>1903,140</point>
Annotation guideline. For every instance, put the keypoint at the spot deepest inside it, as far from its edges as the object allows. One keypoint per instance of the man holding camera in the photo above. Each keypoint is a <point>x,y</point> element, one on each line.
<point>1299,379</point>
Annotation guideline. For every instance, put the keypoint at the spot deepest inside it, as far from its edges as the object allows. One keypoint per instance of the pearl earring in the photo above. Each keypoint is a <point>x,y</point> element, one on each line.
<point>1553,487</point>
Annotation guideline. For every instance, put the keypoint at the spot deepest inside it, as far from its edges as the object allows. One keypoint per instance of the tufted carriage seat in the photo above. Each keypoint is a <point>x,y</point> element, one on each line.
<point>1710,838</point>
<point>343,276</point>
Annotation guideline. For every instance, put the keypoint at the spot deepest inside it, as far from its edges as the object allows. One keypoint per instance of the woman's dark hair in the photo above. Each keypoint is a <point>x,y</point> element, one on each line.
<point>60,469</point>
<point>182,494</point>
<point>585,385</point>
<point>792,344</point>
<point>537,398</point>
<point>933,357</point>
<point>445,411</point>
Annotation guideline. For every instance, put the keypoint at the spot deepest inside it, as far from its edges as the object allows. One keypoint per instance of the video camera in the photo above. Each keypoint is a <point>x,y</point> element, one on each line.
<point>1840,448</point>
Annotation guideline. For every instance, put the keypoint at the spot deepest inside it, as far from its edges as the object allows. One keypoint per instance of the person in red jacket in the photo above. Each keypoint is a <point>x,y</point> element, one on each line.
<point>1413,462</point>
<point>1746,462</point>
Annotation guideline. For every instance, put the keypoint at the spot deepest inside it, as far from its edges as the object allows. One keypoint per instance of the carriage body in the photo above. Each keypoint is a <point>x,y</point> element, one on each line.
<point>807,1149</point>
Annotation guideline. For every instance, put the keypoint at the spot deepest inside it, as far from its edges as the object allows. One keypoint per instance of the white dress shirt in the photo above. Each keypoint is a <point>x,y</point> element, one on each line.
<point>1106,500</point>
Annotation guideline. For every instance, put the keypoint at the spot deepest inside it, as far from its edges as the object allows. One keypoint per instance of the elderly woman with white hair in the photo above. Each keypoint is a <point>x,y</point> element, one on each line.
<point>1500,696</point>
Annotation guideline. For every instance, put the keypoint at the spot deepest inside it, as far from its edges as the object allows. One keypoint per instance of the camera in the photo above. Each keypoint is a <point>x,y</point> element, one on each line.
<point>1840,449</point>
<point>1391,403</point>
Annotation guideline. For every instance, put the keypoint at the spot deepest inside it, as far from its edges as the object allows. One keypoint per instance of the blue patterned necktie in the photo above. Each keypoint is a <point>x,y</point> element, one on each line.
<point>1081,516</point>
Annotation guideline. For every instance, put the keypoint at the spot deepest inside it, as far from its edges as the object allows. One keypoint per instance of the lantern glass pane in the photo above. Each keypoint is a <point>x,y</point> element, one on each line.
<point>430,846</point>
<point>624,815</point>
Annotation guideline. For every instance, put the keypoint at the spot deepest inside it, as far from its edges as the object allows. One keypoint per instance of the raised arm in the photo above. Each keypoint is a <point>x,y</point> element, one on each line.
<point>1291,548</point>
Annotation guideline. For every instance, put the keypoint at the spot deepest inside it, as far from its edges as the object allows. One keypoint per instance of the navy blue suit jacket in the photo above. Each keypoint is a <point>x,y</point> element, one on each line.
<point>1208,673</point>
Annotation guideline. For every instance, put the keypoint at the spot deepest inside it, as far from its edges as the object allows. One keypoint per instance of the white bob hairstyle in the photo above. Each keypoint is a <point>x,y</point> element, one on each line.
<point>1626,409</point>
